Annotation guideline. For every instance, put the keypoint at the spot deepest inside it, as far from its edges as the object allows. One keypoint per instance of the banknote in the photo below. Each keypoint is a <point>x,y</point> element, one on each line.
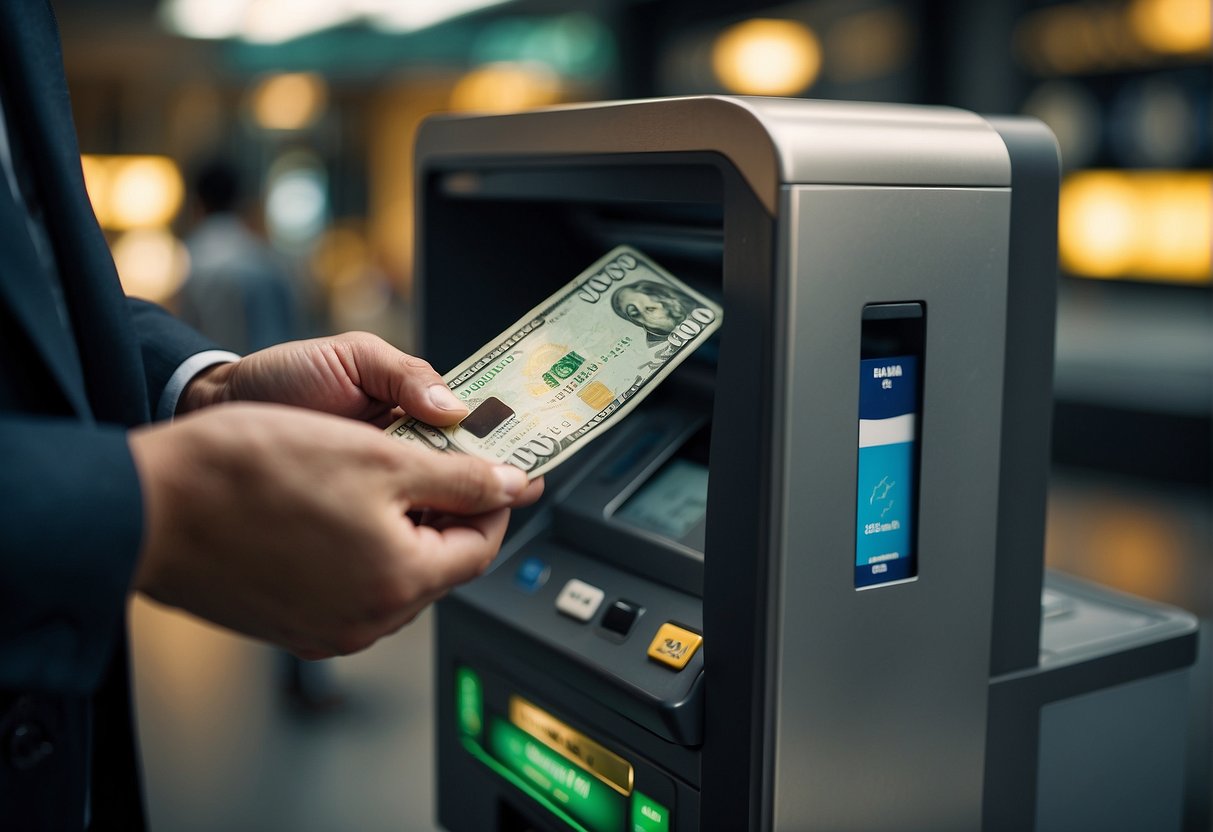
<point>573,366</point>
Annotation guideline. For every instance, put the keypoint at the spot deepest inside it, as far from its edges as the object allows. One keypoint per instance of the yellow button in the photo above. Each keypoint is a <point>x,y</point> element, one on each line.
<point>674,646</point>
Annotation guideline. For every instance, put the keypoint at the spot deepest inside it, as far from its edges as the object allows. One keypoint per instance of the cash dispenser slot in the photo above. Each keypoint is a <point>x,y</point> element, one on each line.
<point>537,224</point>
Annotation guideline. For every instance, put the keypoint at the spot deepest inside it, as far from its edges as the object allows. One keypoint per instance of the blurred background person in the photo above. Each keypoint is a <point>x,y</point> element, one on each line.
<point>238,291</point>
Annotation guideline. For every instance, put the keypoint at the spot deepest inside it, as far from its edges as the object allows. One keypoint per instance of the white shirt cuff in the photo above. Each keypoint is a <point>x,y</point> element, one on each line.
<point>184,374</point>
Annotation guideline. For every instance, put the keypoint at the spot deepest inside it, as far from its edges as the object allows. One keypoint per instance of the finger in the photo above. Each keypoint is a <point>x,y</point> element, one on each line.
<point>409,614</point>
<point>530,494</point>
<point>385,420</point>
<point>456,483</point>
<point>387,374</point>
<point>460,551</point>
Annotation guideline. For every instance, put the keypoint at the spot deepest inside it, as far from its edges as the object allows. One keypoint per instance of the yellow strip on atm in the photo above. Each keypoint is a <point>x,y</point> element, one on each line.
<point>573,745</point>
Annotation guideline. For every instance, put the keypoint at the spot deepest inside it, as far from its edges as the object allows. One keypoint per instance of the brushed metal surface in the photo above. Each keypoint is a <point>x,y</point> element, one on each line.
<point>880,699</point>
<point>771,141</point>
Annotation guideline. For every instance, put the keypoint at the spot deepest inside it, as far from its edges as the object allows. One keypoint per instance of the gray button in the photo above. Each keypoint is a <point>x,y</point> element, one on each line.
<point>579,600</point>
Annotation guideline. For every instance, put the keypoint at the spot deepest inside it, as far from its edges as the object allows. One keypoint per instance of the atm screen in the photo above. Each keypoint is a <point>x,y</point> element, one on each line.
<point>673,503</point>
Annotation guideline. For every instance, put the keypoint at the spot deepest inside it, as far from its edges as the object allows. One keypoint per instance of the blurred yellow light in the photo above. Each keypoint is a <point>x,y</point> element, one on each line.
<point>289,101</point>
<point>152,263</point>
<point>1138,551</point>
<point>1155,225</point>
<point>1173,26</point>
<point>506,87</point>
<point>133,191</point>
<point>767,57</point>
<point>1096,224</point>
<point>1178,225</point>
<point>144,191</point>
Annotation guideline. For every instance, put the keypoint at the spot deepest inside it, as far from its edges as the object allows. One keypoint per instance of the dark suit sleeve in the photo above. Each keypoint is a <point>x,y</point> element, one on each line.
<point>71,518</point>
<point>71,522</point>
<point>165,343</point>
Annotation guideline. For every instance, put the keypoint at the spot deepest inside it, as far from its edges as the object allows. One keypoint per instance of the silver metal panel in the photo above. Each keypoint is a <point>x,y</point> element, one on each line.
<point>771,141</point>
<point>846,142</point>
<point>881,694</point>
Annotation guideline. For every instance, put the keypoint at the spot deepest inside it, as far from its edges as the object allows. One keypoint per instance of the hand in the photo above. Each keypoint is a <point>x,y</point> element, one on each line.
<point>357,375</point>
<point>294,527</point>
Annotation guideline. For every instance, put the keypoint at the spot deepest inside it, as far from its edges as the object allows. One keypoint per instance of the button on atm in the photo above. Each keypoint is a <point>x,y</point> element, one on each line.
<point>620,617</point>
<point>800,586</point>
<point>579,600</point>
<point>674,646</point>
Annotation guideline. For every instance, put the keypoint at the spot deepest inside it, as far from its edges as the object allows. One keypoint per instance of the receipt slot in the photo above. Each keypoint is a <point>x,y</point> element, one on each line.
<point>801,586</point>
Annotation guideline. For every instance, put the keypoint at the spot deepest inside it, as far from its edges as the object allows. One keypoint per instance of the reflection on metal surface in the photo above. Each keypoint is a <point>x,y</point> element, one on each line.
<point>570,743</point>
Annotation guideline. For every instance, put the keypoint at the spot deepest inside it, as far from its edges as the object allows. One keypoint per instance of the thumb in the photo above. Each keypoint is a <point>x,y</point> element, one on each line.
<point>389,375</point>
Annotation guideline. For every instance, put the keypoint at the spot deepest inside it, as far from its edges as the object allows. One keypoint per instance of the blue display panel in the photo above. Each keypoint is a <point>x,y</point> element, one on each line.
<point>886,493</point>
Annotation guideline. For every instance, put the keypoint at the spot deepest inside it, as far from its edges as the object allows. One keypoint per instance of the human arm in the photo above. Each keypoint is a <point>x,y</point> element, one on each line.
<point>73,524</point>
<point>298,527</point>
<point>70,529</point>
<point>356,375</point>
<point>262,468</point>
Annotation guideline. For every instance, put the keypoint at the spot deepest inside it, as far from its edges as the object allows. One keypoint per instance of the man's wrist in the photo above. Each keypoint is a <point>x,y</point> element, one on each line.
<point>172,398</point>
<point>208,387</point>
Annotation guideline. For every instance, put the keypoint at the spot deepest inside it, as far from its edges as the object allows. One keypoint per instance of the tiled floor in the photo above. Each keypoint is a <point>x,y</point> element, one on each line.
<point>222,751</point>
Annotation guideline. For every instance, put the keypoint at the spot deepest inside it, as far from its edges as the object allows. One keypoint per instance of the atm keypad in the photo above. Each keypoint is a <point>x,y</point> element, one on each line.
<point>674,646</point>
<point>579,600</point>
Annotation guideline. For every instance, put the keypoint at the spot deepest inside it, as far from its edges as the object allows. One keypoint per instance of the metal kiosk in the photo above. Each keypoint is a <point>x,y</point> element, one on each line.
<point>845,630</point>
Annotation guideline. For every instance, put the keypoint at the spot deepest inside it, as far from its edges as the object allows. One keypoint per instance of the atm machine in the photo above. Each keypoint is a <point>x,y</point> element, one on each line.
<point>801,586</point>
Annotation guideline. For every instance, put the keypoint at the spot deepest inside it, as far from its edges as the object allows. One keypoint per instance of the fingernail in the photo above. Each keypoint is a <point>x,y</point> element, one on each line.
<point>511,480</point>
<point>443,399</point>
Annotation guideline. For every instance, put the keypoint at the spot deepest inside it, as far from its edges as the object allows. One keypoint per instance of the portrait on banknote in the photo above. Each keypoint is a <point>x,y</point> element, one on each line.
<point>654,308</point>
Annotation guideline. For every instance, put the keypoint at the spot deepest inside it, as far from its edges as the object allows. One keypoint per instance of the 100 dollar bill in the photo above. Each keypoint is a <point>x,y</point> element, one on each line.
<point>572,366</point>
